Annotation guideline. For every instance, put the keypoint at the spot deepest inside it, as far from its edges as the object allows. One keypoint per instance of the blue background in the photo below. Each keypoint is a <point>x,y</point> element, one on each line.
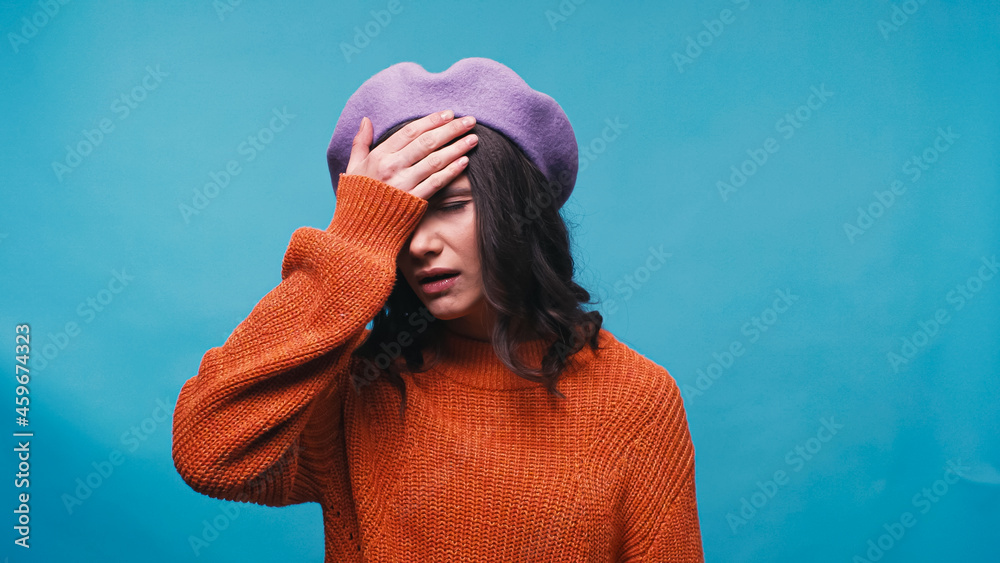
<point>826,356</point>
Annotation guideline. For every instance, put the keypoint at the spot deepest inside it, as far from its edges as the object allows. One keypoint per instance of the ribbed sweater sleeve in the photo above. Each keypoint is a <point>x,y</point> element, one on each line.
<point>661,509</point>
<point>260,421</point>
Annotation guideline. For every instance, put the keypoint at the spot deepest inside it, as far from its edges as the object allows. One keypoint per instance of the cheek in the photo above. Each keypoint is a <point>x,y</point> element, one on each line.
<point>470,247</point>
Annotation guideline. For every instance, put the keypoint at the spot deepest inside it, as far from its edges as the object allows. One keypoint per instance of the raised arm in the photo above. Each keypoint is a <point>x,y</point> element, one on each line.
<point>240,423</point>
<point>260,421</point>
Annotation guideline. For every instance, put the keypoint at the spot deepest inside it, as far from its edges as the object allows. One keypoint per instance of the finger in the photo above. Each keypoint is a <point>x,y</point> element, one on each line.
<point>437,160</point>
<point>440,179</point>
<point>421,148</point>
<point>414,129</point>
<point>359,147</point>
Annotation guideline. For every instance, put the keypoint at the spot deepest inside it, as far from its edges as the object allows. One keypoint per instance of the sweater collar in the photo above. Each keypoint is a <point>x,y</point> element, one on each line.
<point>473,363</point>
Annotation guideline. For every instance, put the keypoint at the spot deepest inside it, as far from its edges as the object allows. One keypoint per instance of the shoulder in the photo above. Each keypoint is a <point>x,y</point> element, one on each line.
<point>625,370</point>
<point>636,394</point>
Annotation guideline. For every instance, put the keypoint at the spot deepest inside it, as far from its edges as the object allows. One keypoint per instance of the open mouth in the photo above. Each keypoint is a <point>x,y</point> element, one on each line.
<point>438,283</point>
<point>438,277</point>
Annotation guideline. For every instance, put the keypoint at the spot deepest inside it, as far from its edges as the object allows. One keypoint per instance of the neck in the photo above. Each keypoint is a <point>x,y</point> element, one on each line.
<point>476,325</point>
<point>471,362</point>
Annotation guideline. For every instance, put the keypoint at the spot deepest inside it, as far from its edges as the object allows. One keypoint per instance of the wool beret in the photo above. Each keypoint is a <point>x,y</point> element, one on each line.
<point>483,88</point>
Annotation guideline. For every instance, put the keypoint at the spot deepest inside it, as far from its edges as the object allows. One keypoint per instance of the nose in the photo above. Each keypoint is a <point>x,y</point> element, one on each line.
<point>424,241</point>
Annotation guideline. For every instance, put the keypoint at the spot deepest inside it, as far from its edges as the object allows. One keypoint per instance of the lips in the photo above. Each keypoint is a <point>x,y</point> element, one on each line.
<point>435,274</point>
<point>430,279</point>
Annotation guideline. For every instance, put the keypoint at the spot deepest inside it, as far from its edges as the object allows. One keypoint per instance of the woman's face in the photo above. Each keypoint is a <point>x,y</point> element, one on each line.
<point>445,238</point>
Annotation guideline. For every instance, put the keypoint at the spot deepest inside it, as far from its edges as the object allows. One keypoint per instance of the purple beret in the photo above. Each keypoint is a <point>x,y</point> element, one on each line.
<point>490,91</point>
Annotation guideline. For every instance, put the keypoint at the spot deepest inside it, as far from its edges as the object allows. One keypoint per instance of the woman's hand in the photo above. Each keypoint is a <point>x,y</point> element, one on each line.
<point>405,160</point>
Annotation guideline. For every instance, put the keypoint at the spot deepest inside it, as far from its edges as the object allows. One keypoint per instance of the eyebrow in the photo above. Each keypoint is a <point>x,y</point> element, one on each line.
<point>448,192</point>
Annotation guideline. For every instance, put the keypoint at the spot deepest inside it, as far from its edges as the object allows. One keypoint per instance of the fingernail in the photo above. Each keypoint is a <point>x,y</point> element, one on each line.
<point>446,114</point>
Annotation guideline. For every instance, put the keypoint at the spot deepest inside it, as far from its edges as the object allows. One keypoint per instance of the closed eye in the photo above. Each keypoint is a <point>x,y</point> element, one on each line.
<point>453,207</point>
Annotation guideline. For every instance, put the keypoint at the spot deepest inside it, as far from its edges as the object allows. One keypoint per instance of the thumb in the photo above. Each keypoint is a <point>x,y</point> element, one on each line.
<point>359,147</point>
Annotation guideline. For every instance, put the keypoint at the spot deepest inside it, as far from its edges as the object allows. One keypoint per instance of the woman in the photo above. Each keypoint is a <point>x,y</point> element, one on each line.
<point>440,433</point>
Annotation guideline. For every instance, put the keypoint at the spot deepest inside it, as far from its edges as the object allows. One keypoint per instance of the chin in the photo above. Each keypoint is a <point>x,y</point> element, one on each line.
<point>446,313</point>
<point>447,308</point>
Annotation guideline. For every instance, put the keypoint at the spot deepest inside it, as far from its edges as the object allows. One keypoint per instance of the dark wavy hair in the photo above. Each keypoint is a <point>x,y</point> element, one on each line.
<point>527,272</point>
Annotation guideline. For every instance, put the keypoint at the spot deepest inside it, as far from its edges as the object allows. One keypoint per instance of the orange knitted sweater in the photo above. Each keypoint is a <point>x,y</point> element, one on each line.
<point>487,466</point>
